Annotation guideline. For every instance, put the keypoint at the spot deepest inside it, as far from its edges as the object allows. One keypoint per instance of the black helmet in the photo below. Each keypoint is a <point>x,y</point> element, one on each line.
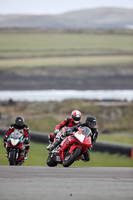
<point>19,121</point>
<point>91,122</point>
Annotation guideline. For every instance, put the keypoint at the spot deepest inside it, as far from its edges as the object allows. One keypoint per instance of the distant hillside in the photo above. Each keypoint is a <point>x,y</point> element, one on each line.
<point>107,18</point>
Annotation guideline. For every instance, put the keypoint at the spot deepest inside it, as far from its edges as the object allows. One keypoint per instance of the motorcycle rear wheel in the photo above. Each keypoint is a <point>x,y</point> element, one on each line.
<point>12,159</point>
<point>72,157</point>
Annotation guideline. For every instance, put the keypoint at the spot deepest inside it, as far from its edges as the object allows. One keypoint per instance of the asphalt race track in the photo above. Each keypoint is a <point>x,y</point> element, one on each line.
<point>75,183</point>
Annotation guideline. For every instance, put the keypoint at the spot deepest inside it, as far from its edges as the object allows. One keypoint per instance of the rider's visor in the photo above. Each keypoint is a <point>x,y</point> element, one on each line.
<point>93,125</point>
<point>20,123</point>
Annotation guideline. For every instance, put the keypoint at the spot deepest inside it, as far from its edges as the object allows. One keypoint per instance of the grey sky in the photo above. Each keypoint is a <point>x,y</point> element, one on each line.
<point>56,6</point>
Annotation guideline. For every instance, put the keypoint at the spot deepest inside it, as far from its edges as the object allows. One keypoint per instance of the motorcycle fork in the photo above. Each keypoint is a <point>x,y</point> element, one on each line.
<point>17,154</point>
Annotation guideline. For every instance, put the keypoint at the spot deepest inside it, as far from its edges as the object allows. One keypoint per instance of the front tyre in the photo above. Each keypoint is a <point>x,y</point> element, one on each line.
<point>50,161</point>
<point>69,159</point>
<point>12,158</point>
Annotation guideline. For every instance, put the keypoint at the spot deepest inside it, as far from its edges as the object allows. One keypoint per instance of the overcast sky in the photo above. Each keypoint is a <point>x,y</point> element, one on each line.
<point>56,6</point>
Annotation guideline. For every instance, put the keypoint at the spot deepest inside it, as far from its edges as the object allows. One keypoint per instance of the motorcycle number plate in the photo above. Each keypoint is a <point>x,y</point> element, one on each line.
<point>79,136</point>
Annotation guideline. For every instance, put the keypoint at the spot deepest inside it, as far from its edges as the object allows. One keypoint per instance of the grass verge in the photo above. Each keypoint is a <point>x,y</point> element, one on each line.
<point>67,61</point>
<point>38,156</point>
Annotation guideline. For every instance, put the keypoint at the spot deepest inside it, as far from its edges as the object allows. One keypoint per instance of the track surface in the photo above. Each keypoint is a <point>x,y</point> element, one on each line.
<point>36,183</point>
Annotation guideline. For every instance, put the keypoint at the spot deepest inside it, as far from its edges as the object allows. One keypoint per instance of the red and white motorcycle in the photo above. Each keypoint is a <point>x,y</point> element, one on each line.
<point>16,148</point>
<point>71,148</point>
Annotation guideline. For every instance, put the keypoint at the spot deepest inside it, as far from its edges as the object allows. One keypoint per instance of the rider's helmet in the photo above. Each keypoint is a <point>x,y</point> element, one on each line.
<point>91,122</point>
<point>76,115</point>
<point>19,122</point>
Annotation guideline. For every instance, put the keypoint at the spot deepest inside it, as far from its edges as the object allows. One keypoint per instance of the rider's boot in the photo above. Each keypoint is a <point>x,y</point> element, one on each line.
<point>51,140</point>
<point>54,145</point>
<point>26,155</point>
<point>87,155</point>
<point>49,146</point>
<point>7,152</point>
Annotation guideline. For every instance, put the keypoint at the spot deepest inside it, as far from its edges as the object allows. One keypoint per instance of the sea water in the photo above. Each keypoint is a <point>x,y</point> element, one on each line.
<point>60,95</point>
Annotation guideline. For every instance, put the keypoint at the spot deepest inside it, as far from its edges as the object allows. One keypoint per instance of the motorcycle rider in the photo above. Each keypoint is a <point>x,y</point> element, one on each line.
<point>72,121</point>
<point>91,122</point>
<point>19,125</point>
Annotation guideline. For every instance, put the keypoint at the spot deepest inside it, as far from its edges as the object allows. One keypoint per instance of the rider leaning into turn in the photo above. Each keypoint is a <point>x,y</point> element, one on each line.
<point>19,125</point>
<point>91,122</point>
<point>72,121</point>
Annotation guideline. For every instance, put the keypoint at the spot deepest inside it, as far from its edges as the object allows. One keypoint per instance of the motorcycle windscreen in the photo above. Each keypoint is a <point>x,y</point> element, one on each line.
<point>86,131</point>
<point>16,135</point>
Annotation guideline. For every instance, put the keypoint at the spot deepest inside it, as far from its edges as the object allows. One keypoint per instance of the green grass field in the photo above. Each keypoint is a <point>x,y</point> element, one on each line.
<point>123,138</point>
<point>38,156</point>
<point>55,41</point>
<point>35,49</point>
<point>67,61</point>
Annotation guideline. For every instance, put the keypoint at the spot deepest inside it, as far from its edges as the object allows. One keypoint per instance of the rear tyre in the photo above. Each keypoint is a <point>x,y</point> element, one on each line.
<point>69,159</point>
<point>50,161</point>
<point>12,158</point>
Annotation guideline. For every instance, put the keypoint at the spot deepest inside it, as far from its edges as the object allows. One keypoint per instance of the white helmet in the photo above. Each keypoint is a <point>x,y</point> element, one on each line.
<point>76,115</point>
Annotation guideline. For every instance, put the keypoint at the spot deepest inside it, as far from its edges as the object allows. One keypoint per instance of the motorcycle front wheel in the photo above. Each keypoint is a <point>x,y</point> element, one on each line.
<point>12,158</point>
<point>50,161</point>
<point>69,159</point>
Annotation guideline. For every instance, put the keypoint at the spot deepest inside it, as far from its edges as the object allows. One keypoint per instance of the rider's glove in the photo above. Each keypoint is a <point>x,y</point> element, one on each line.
<point>94,137</point>
<point>69,132</point>
<point>75,129</point>
<point>26,140</point>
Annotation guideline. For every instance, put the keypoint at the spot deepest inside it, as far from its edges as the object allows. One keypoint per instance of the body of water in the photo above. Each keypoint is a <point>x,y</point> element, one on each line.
<point>60,95</point>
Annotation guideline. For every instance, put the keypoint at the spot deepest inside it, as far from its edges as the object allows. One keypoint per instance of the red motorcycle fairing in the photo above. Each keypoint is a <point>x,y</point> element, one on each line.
<point>72,147</point>
<point>19,147</point>
<point>8,144</point>
<point>65,144</point>
<point>87,141</point>
<point>20,158</point>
